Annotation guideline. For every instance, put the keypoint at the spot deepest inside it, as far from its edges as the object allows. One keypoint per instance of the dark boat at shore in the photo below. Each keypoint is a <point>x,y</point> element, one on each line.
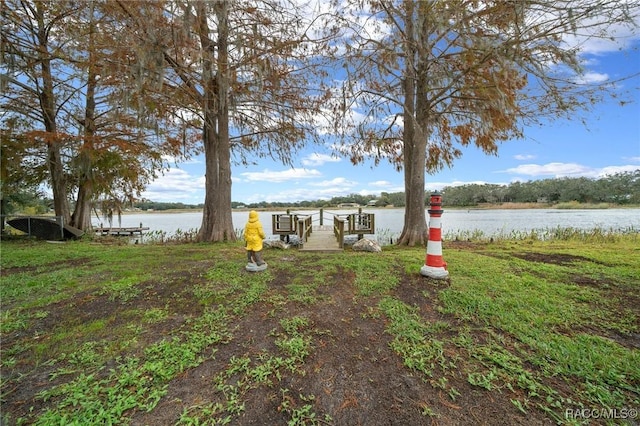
<point>45,228</point>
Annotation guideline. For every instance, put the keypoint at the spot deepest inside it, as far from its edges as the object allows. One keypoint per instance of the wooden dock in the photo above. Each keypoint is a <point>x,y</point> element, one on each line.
<point>119,232</point>
<point>325,236</point>
<point>322,240</point>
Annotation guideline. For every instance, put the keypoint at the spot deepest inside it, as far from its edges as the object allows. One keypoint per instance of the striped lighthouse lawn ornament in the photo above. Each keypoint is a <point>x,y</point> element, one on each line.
<point>434,264</point>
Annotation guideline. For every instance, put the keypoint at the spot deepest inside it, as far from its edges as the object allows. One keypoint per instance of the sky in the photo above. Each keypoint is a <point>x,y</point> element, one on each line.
<point>609,143</point>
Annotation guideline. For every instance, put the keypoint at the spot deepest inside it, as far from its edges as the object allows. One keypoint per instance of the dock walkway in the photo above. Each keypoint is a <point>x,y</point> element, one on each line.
<point>323,240</point>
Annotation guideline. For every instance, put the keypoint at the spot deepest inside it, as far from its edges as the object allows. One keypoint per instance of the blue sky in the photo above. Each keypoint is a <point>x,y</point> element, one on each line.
<point>609,143</point>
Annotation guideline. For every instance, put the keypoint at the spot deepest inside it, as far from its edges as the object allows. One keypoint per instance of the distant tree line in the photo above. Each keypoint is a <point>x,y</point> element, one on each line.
<point>160,206</point>
<point>620,188</point>
<point>383,199</point>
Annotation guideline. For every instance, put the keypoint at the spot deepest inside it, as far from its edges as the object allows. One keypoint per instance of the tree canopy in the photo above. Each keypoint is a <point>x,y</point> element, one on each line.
<point>99,97</point>
<point>64,78</point>
<point>240,72</point>
<point>425,79</point>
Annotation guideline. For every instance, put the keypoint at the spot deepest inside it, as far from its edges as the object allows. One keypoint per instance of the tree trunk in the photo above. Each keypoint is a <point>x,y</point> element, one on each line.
<point>57,181</point>
<point>217,220</point>
<point>415,231</point>
<point>54,158</point>
<point>81,217</point>
<point>415,228</point>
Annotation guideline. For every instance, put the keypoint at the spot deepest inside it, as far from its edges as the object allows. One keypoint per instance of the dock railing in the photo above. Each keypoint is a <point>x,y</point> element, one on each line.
<point>362,223</point>
<point>301,223</point>
<point>305,227</point>
<point>358,223</point>
<point>338,229</point>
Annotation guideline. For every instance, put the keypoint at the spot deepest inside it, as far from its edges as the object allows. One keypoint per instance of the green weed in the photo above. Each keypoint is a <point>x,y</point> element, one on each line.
<point>301,415</point>
<point>123,289</point>
<point>134,382</point>
<point>154,315</point>
<point>371,273</point>
<point>13,320</point>
<point>532,305</point>
<point>413,340</point>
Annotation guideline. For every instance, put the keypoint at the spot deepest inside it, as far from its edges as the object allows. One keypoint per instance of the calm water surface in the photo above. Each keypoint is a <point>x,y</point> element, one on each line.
<point>389,221</point>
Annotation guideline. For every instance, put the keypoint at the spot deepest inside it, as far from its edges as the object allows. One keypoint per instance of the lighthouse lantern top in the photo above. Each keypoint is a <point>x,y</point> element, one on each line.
<point>436,199</point>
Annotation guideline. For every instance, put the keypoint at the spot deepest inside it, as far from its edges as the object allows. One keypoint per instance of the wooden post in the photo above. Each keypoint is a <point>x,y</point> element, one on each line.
<point>321,216</point>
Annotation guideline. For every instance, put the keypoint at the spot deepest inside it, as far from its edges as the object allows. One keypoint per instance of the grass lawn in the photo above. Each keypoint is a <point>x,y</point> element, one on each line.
<point>523,332</point>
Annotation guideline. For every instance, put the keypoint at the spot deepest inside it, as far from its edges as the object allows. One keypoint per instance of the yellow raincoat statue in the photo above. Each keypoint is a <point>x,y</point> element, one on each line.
<point>253,236</point>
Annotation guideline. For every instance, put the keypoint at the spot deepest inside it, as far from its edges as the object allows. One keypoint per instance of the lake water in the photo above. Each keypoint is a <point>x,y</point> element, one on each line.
<point>390,221</point>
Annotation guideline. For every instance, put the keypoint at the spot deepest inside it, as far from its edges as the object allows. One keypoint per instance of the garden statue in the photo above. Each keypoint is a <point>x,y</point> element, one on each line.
<point>253,237</point>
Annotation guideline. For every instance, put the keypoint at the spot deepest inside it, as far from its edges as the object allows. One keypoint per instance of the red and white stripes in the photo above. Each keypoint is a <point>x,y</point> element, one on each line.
<point>435,266</point>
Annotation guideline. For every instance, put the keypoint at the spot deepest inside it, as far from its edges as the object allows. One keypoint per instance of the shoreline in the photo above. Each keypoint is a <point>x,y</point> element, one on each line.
<point>484,206</point>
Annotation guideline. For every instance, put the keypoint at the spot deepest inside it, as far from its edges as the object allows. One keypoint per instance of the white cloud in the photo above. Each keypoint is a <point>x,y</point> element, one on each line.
<point>301,194</point>
<point>280,176</point>
<point>612,170</point>
<point>170,159</point>
<point>381,183</point>
<point>175,185</point>
<point>596,45</point>
<point>524,157</point>
<point>551,169</point>
<point>380,186</point>
<point>314,160</point>
<point>339,181</point>
<point>558,170</point>
<point>591,78</point>
<point>591,61</point>
<point>592,39</point>
<point>289,195</point>
<point>632,159</point>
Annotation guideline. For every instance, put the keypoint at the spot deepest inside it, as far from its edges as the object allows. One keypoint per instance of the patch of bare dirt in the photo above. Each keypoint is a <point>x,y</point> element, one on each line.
<point>53,266</point>
<point>561,259</point>
<point>354,376</point>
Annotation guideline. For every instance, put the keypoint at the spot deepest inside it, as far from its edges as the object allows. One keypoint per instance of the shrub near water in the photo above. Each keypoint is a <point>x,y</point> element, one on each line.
<point>542,326</point>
